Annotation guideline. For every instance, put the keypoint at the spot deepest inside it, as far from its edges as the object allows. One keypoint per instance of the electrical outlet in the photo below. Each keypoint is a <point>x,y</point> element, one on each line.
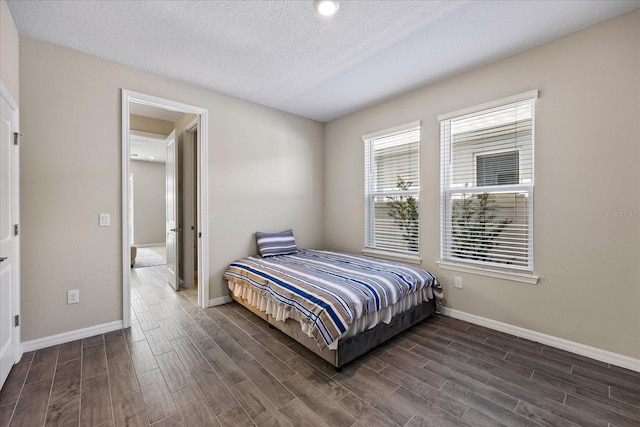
<point>457,282</point>
<point>105,220</point>
<point>73,297</point>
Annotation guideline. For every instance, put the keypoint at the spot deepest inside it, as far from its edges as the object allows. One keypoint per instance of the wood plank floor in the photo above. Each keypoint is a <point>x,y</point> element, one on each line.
<point>179,365</point>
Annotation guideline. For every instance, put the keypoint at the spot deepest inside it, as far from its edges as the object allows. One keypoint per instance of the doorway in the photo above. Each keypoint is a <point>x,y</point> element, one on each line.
<point>153,237</point>
<point>194,131</point>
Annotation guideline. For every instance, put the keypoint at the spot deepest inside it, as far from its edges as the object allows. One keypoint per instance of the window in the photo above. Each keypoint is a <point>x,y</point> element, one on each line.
<point>487,184</point>
<point>497,169</point>
<point>392,190</point>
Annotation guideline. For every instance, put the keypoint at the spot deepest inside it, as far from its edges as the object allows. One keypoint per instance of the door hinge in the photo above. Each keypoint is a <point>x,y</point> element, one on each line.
<point>16,320</point>
<point>16,136</point>
<point>15,230</point>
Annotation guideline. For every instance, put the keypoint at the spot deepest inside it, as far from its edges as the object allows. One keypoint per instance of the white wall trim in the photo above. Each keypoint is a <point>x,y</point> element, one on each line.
<point>65,337</point>
<point>571,346</point>
<point>415,125</point>
<point>220,301</point>
<point>512,276</point>
<point>574,347</point>
<point>126,238</point>
<point>202,144</point>
<point>532,94</point>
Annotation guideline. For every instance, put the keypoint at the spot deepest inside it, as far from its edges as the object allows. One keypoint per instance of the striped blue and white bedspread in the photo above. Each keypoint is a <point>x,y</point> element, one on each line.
<point>330,290</point>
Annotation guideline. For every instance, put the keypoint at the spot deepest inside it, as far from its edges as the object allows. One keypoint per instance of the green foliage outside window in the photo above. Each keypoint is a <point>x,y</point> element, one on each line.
<point>475,227</point>
<point>404,211</point>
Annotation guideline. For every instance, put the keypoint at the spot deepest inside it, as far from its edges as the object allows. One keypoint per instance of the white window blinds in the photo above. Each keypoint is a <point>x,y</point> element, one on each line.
<point>392,189</point>
<point>487,184</point>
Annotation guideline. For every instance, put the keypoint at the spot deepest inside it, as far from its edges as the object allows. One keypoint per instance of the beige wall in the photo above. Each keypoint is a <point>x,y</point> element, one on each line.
<point>149,207</point>
<point>9,51</point>
<point>587,151</point>
<point>149,124</point>
<point>265,173</point>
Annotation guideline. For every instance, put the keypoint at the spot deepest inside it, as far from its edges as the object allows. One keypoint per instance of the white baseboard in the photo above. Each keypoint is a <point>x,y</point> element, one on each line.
<point>219,301</point>
<point>65,337</point>
<point>571,346</point>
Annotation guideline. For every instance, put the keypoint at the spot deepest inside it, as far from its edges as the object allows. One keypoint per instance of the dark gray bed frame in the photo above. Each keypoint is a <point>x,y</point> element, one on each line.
<point>352,347</point>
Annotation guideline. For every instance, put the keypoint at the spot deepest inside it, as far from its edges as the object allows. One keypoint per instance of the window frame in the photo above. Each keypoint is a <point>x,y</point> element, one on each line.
<point>370,248</point>
<point>447,261</point>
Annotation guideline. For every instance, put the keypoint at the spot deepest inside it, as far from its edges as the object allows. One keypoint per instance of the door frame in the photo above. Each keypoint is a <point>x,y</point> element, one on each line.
<point>129,96</point>
<point>189,143</point>
<point>15,219</point>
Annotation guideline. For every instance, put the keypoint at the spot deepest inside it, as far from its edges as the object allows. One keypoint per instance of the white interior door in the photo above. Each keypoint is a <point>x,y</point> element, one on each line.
<point>172,211</point>
<point>9,262</point>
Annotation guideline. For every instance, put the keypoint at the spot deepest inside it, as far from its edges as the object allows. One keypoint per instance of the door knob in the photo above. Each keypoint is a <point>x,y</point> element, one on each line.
<point>3,258</point>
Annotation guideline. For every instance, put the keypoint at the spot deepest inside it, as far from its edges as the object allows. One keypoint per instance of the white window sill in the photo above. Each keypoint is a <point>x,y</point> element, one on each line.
<point>498,274</point>
<point>392,256</point>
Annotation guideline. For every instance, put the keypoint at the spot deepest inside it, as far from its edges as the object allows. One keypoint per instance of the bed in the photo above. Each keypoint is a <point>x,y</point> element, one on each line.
<point>337,305</point>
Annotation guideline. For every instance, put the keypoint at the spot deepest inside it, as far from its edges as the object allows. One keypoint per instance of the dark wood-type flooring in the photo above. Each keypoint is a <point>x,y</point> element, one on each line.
<point>179,365</point>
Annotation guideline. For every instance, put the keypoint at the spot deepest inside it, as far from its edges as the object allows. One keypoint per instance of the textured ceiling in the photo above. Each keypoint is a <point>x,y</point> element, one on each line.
<point>284,55</point>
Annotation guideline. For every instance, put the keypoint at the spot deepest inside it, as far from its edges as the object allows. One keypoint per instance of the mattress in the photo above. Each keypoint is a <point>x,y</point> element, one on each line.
<point>332,295</point>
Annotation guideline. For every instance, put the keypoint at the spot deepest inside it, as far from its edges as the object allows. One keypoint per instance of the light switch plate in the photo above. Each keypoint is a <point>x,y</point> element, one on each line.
<point>105,220</point>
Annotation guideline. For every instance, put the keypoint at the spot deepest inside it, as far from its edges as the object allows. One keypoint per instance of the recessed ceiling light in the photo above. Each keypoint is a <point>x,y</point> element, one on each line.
<point>152,157</point>
<point>326,7</point>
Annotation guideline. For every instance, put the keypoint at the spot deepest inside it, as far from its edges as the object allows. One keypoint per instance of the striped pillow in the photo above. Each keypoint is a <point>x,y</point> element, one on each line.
<point>271,244</point>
